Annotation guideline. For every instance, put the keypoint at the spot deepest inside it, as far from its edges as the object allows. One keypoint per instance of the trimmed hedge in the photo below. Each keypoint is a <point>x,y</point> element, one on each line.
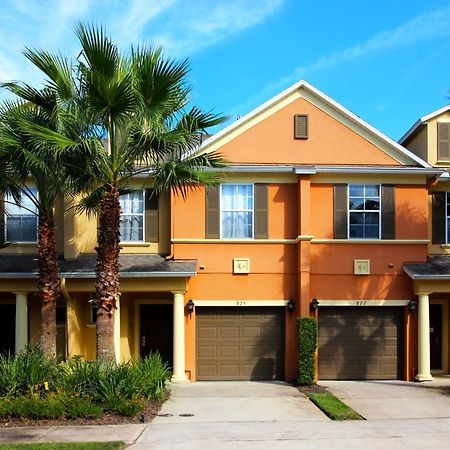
<point>306,346</point>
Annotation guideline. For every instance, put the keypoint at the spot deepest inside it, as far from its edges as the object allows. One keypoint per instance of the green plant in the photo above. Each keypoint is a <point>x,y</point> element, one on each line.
<point>153,375</point>
<point>76,407</point>
<point>127,408</point>
<point>306,346</point>
<point>29,371</point>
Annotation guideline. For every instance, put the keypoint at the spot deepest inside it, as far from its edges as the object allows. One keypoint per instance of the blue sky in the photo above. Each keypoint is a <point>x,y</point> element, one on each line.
<point>387,61</point>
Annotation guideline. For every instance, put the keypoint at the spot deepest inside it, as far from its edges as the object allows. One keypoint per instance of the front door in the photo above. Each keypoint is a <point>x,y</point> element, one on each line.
<point>436,337</point>
<point>7,329</point>
<point>157,331</point>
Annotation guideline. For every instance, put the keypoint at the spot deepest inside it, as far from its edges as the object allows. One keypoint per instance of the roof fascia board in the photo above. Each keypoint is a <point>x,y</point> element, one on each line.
<point>380,170</point>
<point>422,121</point>
<point>368,131</point>
<point>92,274</point>
<point>372,134</point>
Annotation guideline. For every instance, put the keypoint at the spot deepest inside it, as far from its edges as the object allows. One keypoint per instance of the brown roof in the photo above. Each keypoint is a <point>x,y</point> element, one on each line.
<point>25,266</point>
<point>436,268</point>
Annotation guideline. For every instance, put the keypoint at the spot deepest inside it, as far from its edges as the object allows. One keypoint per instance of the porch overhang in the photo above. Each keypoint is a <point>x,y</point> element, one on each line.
<point>430,276</point>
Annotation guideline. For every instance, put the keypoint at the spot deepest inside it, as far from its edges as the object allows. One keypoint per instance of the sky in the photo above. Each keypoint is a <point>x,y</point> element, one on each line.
<point>386,61</point>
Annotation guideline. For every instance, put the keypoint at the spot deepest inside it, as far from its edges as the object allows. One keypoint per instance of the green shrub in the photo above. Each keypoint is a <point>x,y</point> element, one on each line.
<point>34,386</point>
<point>306,346</point>
<point>153,374</point>
<point>28,372</point>
<point>32,407</point>
<point>76,407</point>
<point>127,408</point>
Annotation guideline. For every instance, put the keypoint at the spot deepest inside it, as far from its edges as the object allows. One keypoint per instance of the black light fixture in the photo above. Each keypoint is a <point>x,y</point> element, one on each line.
<point>290,305</point>
<point>314,304</point>
<point>190,306</point>
<point>412,305</point>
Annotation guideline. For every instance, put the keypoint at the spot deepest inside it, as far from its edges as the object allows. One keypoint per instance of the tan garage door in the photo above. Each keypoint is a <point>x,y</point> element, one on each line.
<point>240,343</point>
<point>360,343</point>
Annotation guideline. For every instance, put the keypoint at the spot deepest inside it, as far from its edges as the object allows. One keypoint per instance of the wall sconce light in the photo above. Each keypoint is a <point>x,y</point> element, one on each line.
<point>412,305</point>
<point>290,305</point>
<point>314,304</point>
<point>190,306</point>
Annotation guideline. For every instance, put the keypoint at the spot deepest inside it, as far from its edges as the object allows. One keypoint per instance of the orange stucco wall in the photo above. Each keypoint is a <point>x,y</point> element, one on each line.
<point>329,142</point>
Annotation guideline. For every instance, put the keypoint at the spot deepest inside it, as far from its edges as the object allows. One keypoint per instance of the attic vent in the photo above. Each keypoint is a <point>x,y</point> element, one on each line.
<point>301,126</point>
<point>443,141</point>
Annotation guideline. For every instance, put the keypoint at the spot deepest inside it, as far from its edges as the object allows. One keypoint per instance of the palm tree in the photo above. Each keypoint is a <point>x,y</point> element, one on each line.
<point>139,102</point>
<point>27,159</point>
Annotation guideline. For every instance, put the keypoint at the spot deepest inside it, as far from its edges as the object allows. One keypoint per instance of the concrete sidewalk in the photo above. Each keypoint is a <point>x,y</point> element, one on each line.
<point>379,400</point>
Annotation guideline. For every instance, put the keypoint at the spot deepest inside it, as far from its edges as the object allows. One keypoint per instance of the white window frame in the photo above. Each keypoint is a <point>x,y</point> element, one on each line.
<point>9,200</point>
<point>362,211</point>
<point>447,216</point>
<point>134,215</point>
<point>235,210</point>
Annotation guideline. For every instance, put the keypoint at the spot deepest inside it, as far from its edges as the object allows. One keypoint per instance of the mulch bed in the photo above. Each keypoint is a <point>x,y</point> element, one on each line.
<point>109,418</point>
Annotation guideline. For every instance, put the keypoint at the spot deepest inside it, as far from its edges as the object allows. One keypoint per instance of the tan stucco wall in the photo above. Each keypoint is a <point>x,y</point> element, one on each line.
<point>418,144</point>
<point>432,139</point>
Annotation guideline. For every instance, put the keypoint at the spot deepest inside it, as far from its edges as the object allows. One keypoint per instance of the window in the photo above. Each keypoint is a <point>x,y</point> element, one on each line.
<point>447,216</point>
<point>236,211</point>
<point>21,220</point>
<point>364,211</point>
<point>132,217</point>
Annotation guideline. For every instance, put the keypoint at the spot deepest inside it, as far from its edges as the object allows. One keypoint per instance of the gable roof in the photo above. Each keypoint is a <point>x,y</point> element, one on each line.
<point>394,149</point>
<point>422,121</point>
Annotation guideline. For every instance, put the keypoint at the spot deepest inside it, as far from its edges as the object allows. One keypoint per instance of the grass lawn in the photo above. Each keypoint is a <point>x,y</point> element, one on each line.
<point>64,446</point>
<point>333,407</point>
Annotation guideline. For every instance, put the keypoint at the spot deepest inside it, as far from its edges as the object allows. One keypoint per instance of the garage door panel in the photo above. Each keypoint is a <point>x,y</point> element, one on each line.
<point>248,343</point>
<point>360,343</point>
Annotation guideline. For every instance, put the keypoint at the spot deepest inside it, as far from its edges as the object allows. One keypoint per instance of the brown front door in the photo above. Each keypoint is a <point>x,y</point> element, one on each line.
<point>360,343</point>
<point>245,343</point>
<point>157,331</point>
<point>7,329</point>
<point>436,337</point>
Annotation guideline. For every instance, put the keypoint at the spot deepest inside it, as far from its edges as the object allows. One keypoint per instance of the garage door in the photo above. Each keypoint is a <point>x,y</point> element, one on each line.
<point>240,343</point>
<point>360,343</point>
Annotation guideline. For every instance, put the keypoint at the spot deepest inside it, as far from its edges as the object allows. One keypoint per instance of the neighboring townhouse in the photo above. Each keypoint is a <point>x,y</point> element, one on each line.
<point>316,214</point>
<point>429,139</point>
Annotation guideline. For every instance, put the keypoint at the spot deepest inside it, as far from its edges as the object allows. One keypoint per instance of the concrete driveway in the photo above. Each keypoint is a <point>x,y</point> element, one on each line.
<point>395,399</point>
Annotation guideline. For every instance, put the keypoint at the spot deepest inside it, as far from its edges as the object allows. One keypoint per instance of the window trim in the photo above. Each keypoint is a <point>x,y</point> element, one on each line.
<point>8,200</point>
<point>363,211</point>
<point>142,191</point>
<point>252,237</point>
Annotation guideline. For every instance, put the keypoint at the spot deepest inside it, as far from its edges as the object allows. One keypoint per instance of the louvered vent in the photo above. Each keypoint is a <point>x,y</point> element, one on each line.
<point>301,126</point>
<point>443,142</point>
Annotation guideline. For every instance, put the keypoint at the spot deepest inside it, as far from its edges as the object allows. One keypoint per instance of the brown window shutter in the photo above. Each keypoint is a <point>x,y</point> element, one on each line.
<point>301,126</point>
<point>438,219</point>
<point>151,216</point>
<point>261,211</point>
<point>443,141</point>
<point>2,220</point>
<point>387,211</point>
<point>213,212</point>
<point>340,211</point>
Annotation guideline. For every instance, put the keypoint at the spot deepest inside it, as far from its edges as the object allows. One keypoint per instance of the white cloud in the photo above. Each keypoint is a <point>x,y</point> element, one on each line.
<point>181,27</point>
<point>430,25</point>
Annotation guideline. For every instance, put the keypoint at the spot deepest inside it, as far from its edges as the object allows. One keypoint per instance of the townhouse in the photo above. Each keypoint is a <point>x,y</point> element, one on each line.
<point>317,213</point>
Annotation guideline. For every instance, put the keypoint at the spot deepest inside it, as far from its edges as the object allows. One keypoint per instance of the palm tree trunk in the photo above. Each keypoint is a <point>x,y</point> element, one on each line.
<point>107,272</point>
<point>48,283</point>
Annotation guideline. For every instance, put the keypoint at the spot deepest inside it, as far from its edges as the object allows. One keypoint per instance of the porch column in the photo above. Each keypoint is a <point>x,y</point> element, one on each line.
<point>21,321</point>
<point>424,373</point>
<point>117,331</point>
<point>179,374</point>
